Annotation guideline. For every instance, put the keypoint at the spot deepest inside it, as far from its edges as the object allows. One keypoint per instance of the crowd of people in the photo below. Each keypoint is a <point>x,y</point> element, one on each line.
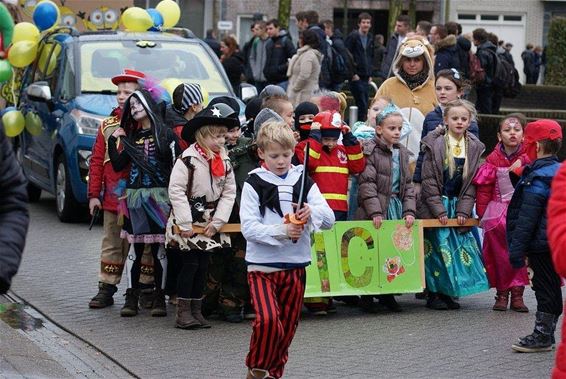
<point>168,177</point>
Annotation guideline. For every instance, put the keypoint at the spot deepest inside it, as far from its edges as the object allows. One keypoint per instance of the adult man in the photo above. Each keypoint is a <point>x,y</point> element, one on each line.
<point>423,28</point>
<point>213,42</point>
<point>464,46</point>
<point>309,21</point>
<point>256,56</point>
<point>507,53</point>
<point>485,51</point>
<point>342,64</point>
<point>360,45</point>
<point>398,36</point>
<point>279,49</point>
<point>14,216</point>
<point>103,180</point>
<point>445,47</point>
<point>529,64</point>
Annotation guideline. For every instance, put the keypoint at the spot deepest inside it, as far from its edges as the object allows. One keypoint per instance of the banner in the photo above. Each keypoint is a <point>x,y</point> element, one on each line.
<point>354,258</point>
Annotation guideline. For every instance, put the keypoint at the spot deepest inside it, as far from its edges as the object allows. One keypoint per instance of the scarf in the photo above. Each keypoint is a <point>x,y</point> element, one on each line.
<point>216,163</point>
<point>414,81</point>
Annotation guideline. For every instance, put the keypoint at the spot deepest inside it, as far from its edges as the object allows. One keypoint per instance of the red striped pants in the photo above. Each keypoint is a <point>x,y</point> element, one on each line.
<point>277,299</point>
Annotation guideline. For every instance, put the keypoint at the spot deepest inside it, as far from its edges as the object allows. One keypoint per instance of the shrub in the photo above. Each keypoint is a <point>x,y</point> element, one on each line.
<point>556,53</point>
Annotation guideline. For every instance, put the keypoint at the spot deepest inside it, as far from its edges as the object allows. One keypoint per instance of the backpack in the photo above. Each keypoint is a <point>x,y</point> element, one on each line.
<point>475,71</point>
<point>506,76</point>
<point>342,66</point>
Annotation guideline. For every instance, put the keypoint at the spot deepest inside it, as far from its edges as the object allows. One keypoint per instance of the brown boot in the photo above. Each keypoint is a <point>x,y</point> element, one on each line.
<point>158,308</point>
<point>517,303</point>
<point>501,300</point>
<point>196,311</point>
<point>258,373</point>
<point>183,317</point>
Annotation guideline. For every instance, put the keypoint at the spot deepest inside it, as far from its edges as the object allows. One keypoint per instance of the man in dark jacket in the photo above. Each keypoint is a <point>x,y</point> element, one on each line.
<point>463,45</point>
<point>446,49</point>
<point>213,42</point>
<point>14,216</point>
<point>529,65</point>
<point>339,51</point>
<point>398,36</point>
<point>279,50</point>
<point>360,45</point>
<point>527,231</point>
<point>486,54</point>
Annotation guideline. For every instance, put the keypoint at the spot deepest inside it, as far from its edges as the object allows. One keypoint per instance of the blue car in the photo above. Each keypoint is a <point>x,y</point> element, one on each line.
<point>69,88</point>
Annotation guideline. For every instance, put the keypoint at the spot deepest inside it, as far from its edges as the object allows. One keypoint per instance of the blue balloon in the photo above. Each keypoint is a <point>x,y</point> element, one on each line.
<point>157,19</point>
<point>45,15</point>
<point>6,110</point>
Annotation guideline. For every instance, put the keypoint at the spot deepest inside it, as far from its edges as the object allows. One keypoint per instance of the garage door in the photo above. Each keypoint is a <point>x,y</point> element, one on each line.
<point>508,27</point>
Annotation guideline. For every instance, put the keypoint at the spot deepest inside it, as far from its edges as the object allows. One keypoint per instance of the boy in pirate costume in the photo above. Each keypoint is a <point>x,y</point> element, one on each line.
<point>102,183</point>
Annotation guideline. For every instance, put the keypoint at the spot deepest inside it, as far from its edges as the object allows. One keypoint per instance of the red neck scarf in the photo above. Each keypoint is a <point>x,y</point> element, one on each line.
<point>216,163</point>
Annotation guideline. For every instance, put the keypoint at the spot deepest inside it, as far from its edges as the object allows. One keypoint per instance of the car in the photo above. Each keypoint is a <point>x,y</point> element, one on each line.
<point>69,88</point>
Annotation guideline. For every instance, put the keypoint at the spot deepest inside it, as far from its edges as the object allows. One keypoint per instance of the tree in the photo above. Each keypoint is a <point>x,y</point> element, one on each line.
<point>413,13</point>
<point>555,49</point>
<point>395,8</point>
<point>284,13</point>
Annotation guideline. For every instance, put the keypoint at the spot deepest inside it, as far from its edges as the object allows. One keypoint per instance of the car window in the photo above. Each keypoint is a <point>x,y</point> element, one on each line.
<point>190,62</point>
<point>68,79</point>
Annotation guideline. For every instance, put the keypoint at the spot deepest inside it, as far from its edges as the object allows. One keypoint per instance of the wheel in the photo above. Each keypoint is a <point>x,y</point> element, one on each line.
<point>34,193</point>
<point>68,209</point>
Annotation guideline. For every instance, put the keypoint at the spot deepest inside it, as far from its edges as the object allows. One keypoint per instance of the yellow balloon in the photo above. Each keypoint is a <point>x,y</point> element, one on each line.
<point>47,55</point>
<point>33,124</point>
<point>170,85</point>
<point>136,19</point>
<point>170,11</point>
<point>14,123</point>
<point>25,31</point>
<point>22,53</point>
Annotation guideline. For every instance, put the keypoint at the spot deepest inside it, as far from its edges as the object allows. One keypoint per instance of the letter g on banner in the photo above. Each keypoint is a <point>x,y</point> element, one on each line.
<point>364,279</point>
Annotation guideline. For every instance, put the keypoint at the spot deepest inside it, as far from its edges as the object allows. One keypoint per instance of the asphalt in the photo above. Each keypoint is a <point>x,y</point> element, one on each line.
<point>58,277</point>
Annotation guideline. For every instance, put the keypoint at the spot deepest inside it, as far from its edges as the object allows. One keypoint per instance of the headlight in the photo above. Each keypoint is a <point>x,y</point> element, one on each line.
<point>84,159</point>
<point>87,123</point>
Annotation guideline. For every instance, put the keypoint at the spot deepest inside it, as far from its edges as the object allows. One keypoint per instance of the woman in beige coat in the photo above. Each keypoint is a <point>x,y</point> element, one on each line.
<point>304,69</point>
<point>202,190</point>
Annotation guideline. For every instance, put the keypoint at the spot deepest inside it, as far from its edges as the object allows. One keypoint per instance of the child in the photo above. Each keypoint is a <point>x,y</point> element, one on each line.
<point>276,265</point>
<point>304,114</point>
<point>187,102</point>
<point>386,188</point>
<point>451,158</point>
<point>102,184</point>
<point>526,231</point>
<point>449,86</point>
<point>202,192</point>
<point>282,107</point>
<point>494,191</point>
<point>150,149</point>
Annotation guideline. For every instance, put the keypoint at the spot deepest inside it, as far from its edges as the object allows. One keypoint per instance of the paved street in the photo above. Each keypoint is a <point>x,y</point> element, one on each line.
<point>59,276</point>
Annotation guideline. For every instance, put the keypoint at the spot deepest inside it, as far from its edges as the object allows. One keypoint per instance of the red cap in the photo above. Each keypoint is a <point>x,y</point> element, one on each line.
<point>542,129</point>
<point>128,76</point>
<point>328,120</point>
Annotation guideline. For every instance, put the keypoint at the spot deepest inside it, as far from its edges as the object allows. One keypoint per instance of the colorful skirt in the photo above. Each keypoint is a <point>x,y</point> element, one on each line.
<point>453,263</point>
<point>144,212</point>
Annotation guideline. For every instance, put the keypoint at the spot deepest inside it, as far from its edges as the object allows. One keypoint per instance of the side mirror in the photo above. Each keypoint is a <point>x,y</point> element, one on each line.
<point>248,91</point>
<point>39,91</point>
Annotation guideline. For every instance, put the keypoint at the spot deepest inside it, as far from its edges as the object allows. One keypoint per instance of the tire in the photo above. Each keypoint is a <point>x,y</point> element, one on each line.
<point>68,209</point>
<point>34,193</point>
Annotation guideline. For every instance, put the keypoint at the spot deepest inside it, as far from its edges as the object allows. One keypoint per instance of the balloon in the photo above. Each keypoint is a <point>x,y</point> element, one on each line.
<point>22,53</point>
<point>170,11</point>
<point>33,123</point>
<point>14,123</point>
<point>6,110</point>
<point>157,19</point>
<point>45,55</point>
<point>46,15</point>
<point>170,85</point>
<point>136,19</point>
<point>25,31</point>
<point>5,70</point>
<point>6,26</point>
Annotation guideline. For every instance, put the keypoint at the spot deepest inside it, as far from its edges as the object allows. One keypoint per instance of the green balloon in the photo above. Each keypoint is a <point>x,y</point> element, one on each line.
<point>33,124</point>
<point>5,70</point>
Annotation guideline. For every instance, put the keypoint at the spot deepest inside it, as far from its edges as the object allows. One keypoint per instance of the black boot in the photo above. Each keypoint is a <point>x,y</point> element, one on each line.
<point>553,340</point>
<point>389,302</point>
<point>540,339</point>
<point>146,297</point>
<point>434,302</point>
<point>449,301</point>
<point>130,307</point>
<point>104,296</point>
<point>367,305</point>
<point>158,308</point>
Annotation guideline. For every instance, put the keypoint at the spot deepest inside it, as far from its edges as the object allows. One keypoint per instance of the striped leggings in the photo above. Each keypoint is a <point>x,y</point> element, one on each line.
<point>277,299</point>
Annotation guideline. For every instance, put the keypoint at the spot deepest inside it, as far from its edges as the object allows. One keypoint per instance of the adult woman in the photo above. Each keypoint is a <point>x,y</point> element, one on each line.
<point>304,69</point>
<point>412,87</point>
<point>232,61</point>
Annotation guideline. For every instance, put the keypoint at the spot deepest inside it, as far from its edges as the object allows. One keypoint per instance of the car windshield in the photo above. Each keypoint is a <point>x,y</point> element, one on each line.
<point>188,62</point>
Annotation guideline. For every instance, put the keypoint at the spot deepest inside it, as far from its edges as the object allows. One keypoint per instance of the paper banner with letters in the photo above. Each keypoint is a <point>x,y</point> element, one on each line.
<point>354,258</point>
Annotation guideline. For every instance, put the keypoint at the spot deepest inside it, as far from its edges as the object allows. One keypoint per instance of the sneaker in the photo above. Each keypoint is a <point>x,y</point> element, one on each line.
<point>130,307</point>
<point>146,298</point>
<point>104,297</point>
<point>533,343</point>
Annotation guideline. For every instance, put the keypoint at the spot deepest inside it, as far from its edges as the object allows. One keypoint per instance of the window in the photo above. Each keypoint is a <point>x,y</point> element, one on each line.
<point>489,17</point>
<point>466,17</point>
<point>512,18</point>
